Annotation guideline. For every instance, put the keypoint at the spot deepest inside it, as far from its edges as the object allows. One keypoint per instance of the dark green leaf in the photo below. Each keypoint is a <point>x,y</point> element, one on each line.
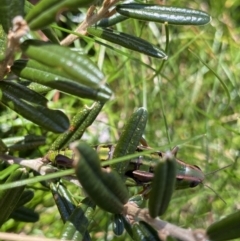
<point>128,41</point>
<point>8,10</point>
<point>72,65</point>
<point>45,12</point>
<point>56,79</point>
<point>30,105</point>
<point>225,229</point>
<point>93,180</point>
<point>130,137</point>
<point>162,14</point>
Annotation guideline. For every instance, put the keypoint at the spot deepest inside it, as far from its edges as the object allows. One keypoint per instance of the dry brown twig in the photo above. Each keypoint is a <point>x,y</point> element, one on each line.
<point>19,29</point>
<point>23,237</point>
<point>91,18</point>
<point>34,164</point>
<point>134,213</point>
<point>38,165</point>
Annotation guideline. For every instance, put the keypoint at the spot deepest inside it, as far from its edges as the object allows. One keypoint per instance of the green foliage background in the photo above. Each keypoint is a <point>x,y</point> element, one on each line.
<point>187,106</point>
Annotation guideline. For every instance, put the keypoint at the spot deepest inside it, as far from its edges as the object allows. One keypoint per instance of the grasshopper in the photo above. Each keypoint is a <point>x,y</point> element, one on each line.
<point>188,176</point>
<point>141,169</point>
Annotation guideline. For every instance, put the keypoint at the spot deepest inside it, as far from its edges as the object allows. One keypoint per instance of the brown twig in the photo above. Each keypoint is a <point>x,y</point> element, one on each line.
<point>19,29</point>
<point>133,213</point>
<point>34,164</point>
<point>38,165</point>
<point>21,237</point>
<point>91,19</point>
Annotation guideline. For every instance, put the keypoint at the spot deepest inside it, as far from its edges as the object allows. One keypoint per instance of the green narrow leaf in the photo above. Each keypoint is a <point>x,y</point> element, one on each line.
<point>3,165</point>
<point>162,14</point>
<point>91,177</point>
<point>128,41</point>
<point>26,197</point>
<point>115,183</point>
<point>24,214</point>
<point>79,123</point>
<point>143,231</point>
<point>225,229</point>
<point>67,198</point>
<point>48,31</point>
<point>137,199</point>
<point>23,93</point>
<point>51,35</point>
<point>56,79</point>
<point>127,226</point>
<point>76,226</point>
<point>118,224</point>
<point>10,141</point>
<point>61,203</point>
<point>3,43</point>
<point>29,104</point>
<point>130,138</point>
<point>9,198</point>
<point>45,12</point>
<point>74,65</point>
<point>7,171</point>
<point>8,10</point>
<point>3,147</point>
<point>40,89</point>
<point>84,124</point>
<point>158,188</point>
<point>149,231</point>
<point>170,182</point>
<point>19,143</point>
<point>114,19</point>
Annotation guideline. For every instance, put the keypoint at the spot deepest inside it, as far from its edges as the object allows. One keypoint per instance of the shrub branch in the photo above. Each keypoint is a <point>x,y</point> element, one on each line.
<point>91,19</point>
<point>164,229</point>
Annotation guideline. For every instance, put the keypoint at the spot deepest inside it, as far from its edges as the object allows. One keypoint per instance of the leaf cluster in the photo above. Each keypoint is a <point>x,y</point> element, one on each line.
<point>56,84</point>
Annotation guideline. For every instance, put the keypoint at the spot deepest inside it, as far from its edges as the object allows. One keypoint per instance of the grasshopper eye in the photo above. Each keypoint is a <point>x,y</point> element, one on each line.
<point>194,183</point>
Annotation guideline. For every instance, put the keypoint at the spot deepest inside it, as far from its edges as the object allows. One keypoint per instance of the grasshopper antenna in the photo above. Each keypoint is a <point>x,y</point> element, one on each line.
<point>214,193</point>
<point>222,168</point>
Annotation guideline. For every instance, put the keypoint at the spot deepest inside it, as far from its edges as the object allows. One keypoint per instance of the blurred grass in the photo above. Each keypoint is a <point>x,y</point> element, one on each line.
<point>193,100</point>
